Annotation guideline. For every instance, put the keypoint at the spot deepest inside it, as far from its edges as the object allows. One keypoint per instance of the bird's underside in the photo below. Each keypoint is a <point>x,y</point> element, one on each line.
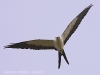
<point>58,43</point>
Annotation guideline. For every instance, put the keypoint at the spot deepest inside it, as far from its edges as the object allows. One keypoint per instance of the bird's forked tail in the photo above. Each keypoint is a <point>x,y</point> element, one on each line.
<point>59,58</point>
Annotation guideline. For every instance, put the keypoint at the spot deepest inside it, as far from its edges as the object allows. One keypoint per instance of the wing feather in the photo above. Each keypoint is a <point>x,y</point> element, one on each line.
<point>33,44</point>
<point>74,24</point>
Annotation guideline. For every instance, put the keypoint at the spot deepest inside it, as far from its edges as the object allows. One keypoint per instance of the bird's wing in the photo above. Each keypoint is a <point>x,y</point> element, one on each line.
<point>74,24</point>
<point>38,44</point>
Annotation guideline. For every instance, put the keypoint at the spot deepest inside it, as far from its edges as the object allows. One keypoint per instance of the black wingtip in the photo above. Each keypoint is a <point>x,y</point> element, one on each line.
<point>90,5</point>
<point>4,47</point>
<point>7,46</point>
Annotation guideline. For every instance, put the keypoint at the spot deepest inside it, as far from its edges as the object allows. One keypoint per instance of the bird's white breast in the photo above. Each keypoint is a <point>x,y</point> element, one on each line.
<point>58,42</point>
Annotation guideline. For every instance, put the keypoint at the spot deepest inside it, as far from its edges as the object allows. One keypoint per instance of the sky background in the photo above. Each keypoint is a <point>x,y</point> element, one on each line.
<point>22,20</point>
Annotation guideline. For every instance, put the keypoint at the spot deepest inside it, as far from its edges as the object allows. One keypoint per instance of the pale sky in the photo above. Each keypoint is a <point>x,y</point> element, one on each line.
<point>23,20</point>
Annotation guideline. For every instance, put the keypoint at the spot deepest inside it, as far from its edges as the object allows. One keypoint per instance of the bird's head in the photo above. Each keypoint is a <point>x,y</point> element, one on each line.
<point>57,38</point>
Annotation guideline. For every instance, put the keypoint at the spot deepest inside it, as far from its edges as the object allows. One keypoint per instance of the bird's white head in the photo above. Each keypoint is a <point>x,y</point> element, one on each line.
<point>57,38</point>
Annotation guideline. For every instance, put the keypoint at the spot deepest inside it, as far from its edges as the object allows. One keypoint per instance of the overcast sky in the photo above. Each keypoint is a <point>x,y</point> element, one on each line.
<point>23,20</point>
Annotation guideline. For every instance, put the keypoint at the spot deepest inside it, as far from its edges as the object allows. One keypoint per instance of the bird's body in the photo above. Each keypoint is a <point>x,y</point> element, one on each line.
<point>58,43</point>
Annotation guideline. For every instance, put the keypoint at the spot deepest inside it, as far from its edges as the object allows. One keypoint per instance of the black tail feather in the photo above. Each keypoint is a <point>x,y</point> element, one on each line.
<point>64,55</point>
<point>59,59</point>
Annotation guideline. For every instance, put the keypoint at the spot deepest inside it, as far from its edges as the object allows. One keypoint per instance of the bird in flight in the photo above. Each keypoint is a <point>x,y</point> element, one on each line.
<point>58,43</point>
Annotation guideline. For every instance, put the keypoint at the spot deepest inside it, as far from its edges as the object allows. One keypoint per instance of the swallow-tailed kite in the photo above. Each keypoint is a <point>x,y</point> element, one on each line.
<point>58,43</point>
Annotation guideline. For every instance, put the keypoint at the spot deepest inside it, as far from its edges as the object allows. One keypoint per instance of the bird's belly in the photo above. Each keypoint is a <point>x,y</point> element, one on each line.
<point>58,43</point>
<point>59,46</point>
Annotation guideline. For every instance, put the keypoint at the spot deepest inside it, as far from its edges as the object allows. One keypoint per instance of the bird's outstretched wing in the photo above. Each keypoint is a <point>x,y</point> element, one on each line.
<point>38,44</point>
<point>74,24</point>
